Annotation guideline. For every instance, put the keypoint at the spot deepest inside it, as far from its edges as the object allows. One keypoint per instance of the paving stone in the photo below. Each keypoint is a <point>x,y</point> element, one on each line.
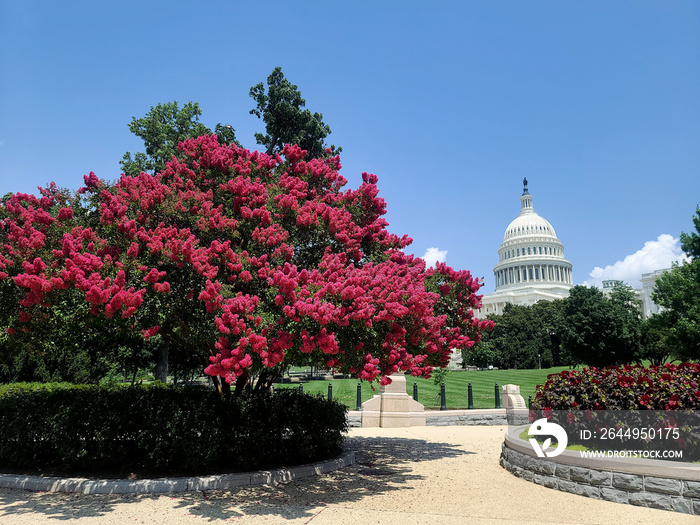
<point>691,489</point>
<point>618,496</point>
<point>662,485</point>
<point>648,499</point>
<point>601,478</point>
<point>550,482</point>
<point>568,486</point>
<point>580,474</point>
<point>588,491</point>
<point>562,471</point>
<point>627,481</point>
<point>682,505</point>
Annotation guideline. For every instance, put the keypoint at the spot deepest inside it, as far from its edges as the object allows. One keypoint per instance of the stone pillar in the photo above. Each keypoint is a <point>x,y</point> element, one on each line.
<point>393,407</point>
<point>517,412</point>
<point>511,397</point>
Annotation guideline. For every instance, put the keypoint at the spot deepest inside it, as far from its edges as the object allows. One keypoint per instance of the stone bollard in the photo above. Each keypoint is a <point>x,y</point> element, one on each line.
<point>517,412</point>
<point>393,407</point>
<point>512,397</point>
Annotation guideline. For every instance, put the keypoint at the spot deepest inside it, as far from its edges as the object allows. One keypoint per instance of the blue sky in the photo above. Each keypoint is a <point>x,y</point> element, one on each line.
<point>451,104</point>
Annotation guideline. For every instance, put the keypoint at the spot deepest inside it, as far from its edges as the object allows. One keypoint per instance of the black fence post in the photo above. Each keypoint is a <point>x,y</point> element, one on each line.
<point>529,402</point>
<point>359,397</point>
<point>415,391</point>
<point>498,397</point>
<point>470,397</point>
<point>330,391</point>
<point>443,400</point>
<point>301,388</point>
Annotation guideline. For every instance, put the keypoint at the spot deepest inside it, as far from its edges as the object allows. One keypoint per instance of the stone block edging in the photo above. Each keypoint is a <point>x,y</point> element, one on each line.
<point>485,416</point>
<point>655,484</point>
<point>168,485</point>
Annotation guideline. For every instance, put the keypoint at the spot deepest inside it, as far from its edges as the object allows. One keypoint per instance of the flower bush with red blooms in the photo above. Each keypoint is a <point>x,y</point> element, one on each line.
<point>667,387</point>
<point>662,400</point>
<point>253,262</point>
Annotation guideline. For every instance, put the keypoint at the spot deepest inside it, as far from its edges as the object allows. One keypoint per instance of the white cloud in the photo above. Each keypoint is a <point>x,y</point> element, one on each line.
<point>433,256</point>
<point>656,255</point>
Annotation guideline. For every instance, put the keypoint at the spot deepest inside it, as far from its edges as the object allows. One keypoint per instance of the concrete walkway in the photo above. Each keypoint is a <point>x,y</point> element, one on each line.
<point>420,475</point>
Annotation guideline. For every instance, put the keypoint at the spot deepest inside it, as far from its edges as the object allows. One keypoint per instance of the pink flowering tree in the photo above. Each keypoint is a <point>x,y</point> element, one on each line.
<point>244,262</point>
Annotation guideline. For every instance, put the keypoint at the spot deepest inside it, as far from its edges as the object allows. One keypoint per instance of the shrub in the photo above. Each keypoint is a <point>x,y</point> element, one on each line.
<point>649,409</point>
<point>161,429</point>
<point>666,387</point>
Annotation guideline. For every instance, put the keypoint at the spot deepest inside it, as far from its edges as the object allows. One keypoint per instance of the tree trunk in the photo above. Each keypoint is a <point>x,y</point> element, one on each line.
<point>161,371</point>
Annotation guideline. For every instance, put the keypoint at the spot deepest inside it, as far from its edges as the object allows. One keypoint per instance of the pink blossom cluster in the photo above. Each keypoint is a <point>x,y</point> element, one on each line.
<point>268,256</point>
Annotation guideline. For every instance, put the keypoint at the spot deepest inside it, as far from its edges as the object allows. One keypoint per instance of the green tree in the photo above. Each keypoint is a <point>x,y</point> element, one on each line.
<point>481,355</point>
<point>286,122</point>
<point>601,331</point>
<point>678,291</point>
<point>657,337</point>
<point>162,129</point>
<point>523,337</point>
<point>690,242</point>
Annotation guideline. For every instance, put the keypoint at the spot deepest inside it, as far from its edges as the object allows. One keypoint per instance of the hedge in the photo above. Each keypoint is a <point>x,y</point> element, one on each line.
<point>161,429</point>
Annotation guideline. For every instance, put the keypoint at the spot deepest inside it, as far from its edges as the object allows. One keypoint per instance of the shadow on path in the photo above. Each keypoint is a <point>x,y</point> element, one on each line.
<point>384,464</point>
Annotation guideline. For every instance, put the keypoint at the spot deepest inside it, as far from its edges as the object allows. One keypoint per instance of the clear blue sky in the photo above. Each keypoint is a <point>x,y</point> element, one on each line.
<point>451,104</point>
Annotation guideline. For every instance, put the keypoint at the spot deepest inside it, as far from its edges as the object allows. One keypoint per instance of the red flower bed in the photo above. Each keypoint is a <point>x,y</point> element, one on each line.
<point>667,387</point>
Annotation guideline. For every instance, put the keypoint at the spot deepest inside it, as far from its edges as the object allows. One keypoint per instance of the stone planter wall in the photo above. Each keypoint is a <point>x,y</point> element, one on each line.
<point>668,487</point>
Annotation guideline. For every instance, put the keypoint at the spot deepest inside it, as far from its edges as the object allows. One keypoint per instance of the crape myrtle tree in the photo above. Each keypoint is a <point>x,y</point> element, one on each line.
<point>243,261</point>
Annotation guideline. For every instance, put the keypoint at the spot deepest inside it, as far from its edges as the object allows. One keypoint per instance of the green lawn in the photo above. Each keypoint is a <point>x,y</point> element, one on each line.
<point>483,383</point>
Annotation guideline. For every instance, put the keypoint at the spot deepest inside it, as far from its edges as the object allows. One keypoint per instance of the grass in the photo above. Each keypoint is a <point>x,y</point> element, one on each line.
<point>456,387</point>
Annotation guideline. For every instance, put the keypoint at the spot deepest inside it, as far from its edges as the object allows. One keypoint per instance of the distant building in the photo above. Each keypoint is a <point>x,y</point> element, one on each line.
<point>531,265</point>
<point>647,307</point>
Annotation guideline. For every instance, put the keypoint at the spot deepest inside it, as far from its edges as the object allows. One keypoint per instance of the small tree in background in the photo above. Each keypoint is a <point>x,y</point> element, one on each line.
<point>599,331</point>
<point>678,291</point>
<point>286,122</point>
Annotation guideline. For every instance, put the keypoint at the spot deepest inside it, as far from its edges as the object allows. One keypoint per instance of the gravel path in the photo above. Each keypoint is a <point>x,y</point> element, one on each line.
<point>418,475</point>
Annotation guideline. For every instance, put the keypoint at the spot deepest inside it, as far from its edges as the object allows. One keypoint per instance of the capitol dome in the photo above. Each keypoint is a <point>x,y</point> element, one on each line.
<point>531,265</point>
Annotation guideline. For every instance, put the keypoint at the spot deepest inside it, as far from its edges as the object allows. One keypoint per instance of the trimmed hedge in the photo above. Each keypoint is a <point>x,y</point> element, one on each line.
<point>161,429</point>
<point>667,387</point>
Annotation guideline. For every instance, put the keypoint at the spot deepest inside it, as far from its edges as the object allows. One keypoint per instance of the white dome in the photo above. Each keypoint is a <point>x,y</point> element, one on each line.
<point>531,257</point>
<point>529,224</point>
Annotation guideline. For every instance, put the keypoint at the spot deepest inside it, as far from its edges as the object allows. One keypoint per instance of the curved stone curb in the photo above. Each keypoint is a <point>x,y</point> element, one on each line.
<point>161,485</point>
<point>656,484</point>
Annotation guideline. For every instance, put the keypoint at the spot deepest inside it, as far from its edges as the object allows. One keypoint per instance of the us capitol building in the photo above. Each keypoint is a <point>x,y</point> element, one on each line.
<point>531,264</point>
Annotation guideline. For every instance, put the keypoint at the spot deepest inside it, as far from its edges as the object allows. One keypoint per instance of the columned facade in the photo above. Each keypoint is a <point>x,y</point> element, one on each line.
<point>531,265</point>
